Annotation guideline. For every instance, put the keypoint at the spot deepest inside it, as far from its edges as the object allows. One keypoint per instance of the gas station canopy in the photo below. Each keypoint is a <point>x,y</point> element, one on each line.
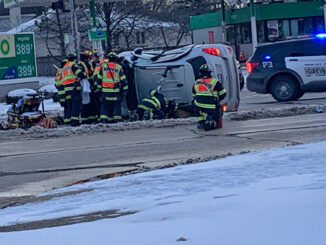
<point>34,3</point>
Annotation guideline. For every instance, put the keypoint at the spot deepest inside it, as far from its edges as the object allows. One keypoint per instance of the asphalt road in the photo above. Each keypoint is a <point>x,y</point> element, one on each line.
<point>29,167</point>
<point>253,101</point>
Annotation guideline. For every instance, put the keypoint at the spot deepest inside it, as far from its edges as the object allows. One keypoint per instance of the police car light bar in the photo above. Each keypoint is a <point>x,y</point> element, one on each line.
<point>321,35</point>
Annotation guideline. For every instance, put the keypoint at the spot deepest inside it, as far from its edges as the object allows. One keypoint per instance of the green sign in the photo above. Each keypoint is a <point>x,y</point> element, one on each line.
<point>17,56</point>
<point>97,35</point>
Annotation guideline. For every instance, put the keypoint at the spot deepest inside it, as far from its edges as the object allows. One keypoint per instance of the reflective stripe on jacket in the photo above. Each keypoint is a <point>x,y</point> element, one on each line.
<point>112,78</point>
<point>204,94</point>
<point>86,70</point>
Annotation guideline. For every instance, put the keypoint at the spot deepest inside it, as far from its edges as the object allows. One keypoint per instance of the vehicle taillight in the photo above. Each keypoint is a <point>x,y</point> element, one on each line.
<point>224,107</point>
<point>251,65</point>
<point>212,51</point>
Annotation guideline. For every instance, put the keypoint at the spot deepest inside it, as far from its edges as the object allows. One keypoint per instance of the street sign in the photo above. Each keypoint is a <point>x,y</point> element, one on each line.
<point>97,35</point>
<point>17,56</point>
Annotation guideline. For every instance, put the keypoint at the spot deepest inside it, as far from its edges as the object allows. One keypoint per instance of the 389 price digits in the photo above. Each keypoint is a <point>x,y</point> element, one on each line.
<point>24,48</point>
<point>26,71</point>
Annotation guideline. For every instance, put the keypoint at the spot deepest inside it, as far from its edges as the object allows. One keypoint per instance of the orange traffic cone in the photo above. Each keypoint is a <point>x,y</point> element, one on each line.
<point>242,57</point>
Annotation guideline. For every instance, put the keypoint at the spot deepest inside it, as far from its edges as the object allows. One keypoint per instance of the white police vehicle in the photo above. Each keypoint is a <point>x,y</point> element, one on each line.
<point>289,68</point>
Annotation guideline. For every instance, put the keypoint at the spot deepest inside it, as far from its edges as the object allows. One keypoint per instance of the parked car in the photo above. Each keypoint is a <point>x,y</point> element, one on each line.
<point>184,66</point>
<point>288,69</point>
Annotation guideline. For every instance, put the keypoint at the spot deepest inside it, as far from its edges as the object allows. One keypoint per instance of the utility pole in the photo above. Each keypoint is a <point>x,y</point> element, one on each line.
<point>253,26</point>
<point>74,28</point>
<point>223,22</point>
<point>96,44</point>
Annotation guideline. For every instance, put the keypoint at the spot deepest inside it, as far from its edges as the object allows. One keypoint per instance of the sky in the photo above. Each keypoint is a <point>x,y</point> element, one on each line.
<point>271,197</point>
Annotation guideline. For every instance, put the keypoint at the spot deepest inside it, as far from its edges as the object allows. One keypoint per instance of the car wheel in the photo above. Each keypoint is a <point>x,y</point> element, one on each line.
<point>299,95</point>
<point>285,88</point>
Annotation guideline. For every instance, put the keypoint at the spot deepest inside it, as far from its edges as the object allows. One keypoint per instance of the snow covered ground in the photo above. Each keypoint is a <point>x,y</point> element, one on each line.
<point>270,197</point>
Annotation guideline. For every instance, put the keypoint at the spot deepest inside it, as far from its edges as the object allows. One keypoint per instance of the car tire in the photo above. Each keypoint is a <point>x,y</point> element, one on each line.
<point>299,95</point>
<point>285,88</point>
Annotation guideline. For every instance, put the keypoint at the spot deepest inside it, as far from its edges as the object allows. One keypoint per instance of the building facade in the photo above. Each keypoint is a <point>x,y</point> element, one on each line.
<point>274,21</point>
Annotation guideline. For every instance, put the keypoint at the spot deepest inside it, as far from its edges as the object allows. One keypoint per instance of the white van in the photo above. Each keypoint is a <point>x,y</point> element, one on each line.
<point>184,66</point>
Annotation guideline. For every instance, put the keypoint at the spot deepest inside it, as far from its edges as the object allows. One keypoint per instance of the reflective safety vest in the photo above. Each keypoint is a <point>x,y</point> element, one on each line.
<point>60,87</point>
<point>86,70</point>
<point>205,86</point>
<point>205,96</point>
<point>111,77</point>
<point>68,76</point>
<point>58,78</point>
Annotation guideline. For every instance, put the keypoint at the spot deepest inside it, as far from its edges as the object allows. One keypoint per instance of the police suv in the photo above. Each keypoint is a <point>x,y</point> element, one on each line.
<point>289,68</point>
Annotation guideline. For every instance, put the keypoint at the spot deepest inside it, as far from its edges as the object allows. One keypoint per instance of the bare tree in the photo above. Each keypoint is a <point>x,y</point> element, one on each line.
<point>52,26</point>
<point>115,17</point>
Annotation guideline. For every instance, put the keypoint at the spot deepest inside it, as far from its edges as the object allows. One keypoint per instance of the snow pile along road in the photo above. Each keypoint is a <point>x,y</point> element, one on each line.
<point>54,110</point>
<point>271,197</point>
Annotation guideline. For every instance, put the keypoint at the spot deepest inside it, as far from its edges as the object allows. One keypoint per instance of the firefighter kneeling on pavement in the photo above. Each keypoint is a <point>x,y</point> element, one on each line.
<point>207,93</point>
<point>114,86</point>
<point>156,107</point>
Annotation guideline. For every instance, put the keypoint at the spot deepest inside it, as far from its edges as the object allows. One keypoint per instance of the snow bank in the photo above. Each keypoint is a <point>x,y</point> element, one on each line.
<point>271,197</point>
<point>21,92</point>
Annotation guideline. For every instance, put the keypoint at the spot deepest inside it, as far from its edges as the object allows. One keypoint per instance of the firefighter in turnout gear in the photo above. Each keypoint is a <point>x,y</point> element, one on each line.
<point>58,84</point>
<point>113,87</point>
<point>88,113</point>
<point>129,71</point>
<point>207,93</point>
<point>156,107</point>
<point>96,88</point>
<point>71,75</point>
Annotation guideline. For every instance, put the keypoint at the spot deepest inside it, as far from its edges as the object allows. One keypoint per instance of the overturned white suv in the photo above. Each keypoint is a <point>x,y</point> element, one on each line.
<point>183,70</point>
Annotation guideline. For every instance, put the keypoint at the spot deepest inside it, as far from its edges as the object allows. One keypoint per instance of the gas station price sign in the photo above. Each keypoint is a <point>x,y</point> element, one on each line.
<point>17,56</point>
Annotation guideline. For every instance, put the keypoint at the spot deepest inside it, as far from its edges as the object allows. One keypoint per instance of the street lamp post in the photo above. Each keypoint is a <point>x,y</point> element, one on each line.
<point>223,22</point>
<point>253,26</point>
<point>97,45</point>
<point>74,29</point>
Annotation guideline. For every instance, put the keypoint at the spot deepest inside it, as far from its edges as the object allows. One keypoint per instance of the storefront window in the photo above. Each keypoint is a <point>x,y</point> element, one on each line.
<point>261,31</point>
<point>284,27</point>
<point>230,34</point>
<point>305,26</point>
<point>273,33</point>
<point>246,33</point>
<point>294,28</point>
<point>318,24</point>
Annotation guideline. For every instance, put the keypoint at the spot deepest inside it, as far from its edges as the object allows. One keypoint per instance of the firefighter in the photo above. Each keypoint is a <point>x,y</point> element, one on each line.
<point>156,107</point>
<point>71,75</point>
<point>113,86</point>
<point>96,88</point>
<point>87,116</point>
<point>207,93</point>
<point>129,71</point>
<point>58,84</point>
